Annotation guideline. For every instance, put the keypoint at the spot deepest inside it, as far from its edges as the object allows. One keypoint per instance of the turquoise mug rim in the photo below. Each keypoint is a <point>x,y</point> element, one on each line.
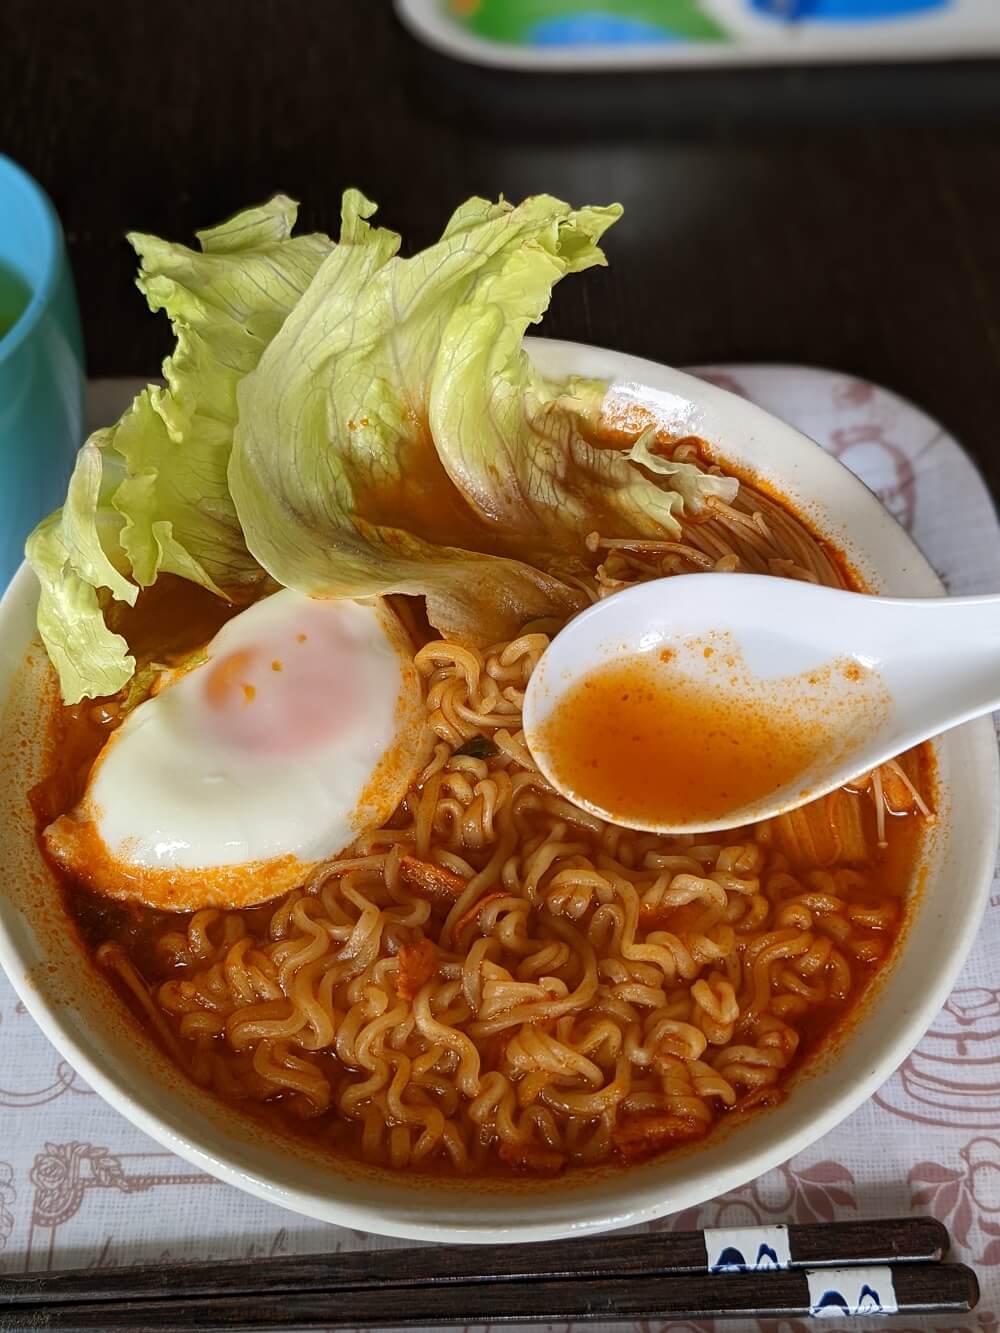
<point>14,177</point>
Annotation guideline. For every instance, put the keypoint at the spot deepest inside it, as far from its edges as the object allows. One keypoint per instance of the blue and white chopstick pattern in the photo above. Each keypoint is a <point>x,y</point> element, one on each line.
<point>835,1292</point>
<point>747,1249</point>
<point>839,1292</point>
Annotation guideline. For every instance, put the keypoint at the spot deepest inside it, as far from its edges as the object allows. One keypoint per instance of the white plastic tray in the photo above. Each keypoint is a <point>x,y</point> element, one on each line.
<point>630,34</point>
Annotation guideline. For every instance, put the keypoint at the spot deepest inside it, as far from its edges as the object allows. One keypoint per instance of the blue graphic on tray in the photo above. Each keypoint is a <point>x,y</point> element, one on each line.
<point>746,1249</point>
<point>846,11</point>
<point>599,30</point>
<point>838,1293</point>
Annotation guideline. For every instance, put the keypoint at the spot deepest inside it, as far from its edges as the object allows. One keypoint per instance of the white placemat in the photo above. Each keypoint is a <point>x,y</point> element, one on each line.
<point>80,1186</point>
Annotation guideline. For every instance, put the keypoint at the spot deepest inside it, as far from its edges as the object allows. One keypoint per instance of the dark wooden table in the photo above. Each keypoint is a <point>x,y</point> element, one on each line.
<point>842,217</point>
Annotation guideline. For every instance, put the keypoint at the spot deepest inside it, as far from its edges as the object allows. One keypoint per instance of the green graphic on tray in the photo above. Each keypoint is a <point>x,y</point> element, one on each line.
<point>575,23</point>
<point>646,22</point>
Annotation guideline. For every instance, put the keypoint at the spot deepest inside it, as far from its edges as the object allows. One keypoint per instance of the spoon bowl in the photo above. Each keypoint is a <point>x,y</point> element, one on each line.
<point>799,689</point>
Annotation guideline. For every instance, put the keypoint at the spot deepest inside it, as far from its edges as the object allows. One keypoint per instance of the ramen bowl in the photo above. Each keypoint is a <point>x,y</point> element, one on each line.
<point>81,1015</point>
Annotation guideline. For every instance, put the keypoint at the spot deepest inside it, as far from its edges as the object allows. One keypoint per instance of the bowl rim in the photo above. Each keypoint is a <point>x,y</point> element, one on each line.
<point>640,1194</point>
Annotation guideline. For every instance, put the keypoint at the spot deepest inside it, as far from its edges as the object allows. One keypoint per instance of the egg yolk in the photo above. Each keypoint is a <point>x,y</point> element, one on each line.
<point>289,693</point>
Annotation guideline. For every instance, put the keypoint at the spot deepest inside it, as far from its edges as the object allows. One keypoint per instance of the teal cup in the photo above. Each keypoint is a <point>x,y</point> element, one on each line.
<point>41,363</point>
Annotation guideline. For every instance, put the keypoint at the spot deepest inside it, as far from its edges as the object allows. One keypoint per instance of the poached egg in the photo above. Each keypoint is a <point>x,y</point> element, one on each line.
<point>300,726</point>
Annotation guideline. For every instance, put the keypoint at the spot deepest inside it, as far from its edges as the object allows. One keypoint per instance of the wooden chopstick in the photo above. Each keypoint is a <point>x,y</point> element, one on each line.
<point>869,1291</point>
<point>828,1244</point>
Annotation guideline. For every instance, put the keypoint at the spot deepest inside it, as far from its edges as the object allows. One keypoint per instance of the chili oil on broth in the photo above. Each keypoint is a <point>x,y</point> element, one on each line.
<point>645,741</point>
<point>498,905</point>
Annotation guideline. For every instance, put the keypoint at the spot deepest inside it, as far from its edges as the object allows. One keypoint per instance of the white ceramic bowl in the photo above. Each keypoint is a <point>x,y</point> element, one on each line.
<point>76,1009</point>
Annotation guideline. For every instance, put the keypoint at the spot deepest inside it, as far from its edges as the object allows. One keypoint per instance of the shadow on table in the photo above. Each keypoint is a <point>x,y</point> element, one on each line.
<point>643,104</point>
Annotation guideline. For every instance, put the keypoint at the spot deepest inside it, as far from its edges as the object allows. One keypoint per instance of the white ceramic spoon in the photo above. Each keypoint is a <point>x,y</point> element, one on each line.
<point>916,667</point>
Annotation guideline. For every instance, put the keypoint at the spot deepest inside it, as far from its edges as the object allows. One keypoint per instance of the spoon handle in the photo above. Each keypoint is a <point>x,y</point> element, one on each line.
<point>938,656</point>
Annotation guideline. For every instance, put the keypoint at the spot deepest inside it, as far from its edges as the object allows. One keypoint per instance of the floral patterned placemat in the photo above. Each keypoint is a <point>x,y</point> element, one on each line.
<point>80,1186</point>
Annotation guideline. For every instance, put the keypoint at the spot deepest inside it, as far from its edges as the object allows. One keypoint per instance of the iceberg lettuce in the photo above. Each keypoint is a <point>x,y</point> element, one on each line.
<point>396,438</point>
<point>150,494</point>
<point>351,423</point>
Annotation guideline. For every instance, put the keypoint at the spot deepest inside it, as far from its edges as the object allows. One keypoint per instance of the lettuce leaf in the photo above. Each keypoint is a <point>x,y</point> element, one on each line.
<point>353,423</point>
<point>334,472</point>
<point>519,448</point>
<point>689,482</point>
<point>396,438</point>
<point>150,494</point>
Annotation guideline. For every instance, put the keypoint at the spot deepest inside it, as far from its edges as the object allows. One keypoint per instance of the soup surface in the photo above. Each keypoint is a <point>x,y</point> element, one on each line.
<point>498,981</point>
